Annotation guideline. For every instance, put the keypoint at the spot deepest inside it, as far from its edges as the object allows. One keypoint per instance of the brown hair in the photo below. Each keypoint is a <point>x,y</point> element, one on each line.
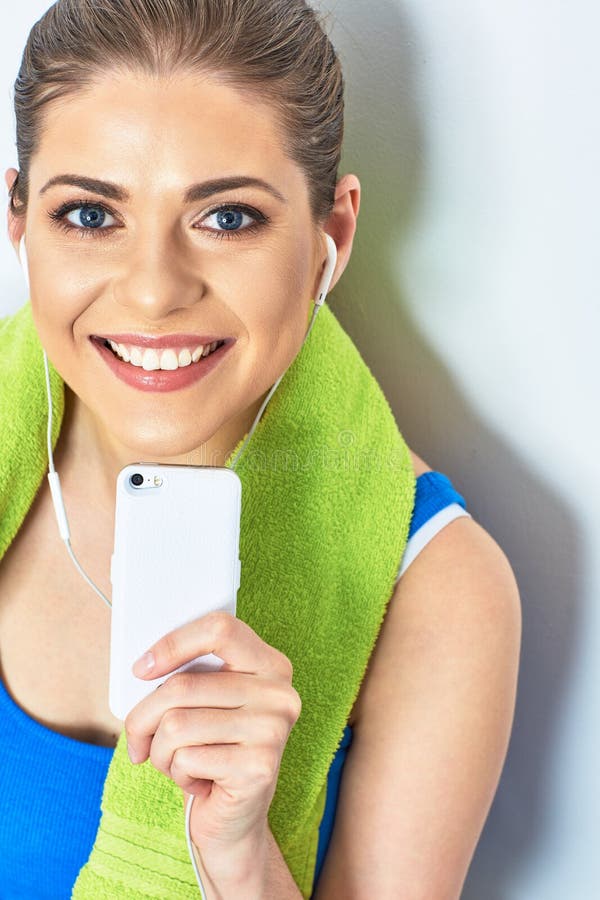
<point>276,50</point>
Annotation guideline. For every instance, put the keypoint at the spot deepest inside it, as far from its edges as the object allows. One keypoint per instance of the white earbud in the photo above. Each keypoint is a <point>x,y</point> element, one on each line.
<point>328,271</point>
<point>23,260</point>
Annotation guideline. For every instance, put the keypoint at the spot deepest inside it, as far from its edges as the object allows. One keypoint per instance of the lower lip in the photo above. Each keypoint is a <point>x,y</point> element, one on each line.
<point>161,379</point>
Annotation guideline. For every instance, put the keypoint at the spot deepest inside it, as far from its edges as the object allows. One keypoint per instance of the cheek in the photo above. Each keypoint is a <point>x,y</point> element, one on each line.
<point>56,316</point>
<point>277,309</point>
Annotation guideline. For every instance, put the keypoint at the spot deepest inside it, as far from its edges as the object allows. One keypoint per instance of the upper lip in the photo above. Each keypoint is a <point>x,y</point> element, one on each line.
<point>162,342</point>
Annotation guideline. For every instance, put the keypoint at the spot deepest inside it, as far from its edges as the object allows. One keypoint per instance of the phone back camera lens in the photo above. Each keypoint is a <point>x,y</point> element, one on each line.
<point>137,479</point>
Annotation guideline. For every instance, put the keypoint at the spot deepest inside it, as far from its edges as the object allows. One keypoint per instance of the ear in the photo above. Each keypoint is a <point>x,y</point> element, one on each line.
<point>15,224</point>
<point>341,223</point>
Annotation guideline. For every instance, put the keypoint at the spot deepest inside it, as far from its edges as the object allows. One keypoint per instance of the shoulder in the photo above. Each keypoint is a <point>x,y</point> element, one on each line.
<point>460,589</point>
<point>462,580</point>
<point>433,720</point>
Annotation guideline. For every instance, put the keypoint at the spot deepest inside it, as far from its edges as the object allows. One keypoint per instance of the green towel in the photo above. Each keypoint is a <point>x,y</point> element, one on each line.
<point>327,497</point>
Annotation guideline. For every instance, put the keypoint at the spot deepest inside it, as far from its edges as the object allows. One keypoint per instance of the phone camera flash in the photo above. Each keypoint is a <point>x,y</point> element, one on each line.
<point>157,481</point>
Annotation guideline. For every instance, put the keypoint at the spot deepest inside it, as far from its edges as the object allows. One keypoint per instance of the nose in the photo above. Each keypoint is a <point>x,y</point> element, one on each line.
<point>157,278</point>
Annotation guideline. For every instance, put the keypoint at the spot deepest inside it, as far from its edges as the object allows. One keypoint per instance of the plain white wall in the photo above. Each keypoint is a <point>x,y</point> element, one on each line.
<point>473,295</point>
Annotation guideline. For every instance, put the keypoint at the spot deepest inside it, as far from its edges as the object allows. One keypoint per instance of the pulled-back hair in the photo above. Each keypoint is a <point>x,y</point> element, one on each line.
<point>273,50</point>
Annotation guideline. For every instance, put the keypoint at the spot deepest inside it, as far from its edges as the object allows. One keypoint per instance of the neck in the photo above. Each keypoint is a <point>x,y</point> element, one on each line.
<point>86,451</point>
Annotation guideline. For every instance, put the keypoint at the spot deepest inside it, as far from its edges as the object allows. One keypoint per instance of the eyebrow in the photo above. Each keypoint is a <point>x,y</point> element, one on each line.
<point>195,192</point>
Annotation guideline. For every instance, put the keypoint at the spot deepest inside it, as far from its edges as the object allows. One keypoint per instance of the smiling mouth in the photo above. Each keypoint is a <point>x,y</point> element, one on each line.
<point>167,359</point>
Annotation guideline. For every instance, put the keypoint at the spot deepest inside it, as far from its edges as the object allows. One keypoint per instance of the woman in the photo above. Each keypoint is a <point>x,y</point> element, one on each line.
<point>177,171</point>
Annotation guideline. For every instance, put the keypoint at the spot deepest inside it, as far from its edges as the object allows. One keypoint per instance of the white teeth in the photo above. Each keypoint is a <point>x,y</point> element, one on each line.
<point>150,360</point>
<point>168,359</point>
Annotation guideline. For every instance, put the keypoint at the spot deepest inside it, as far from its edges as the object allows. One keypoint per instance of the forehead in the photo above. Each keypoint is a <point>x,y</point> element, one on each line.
<point>158,133</point>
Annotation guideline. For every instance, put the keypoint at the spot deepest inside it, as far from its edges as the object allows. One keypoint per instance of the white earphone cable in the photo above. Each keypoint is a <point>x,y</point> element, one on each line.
<point>59,507</point>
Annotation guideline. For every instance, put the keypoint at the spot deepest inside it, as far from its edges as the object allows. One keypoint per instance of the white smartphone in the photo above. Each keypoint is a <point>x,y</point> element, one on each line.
<point>175,558</point>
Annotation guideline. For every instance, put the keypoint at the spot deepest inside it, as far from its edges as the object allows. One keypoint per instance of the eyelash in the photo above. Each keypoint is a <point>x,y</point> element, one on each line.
<point>58,218</point>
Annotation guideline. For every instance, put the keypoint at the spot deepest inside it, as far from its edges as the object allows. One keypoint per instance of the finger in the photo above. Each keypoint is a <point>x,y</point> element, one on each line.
<point>205,727</point>
<point>215,690</point>
<point>196,727</point>
<point>222,634</point>
<point>234,767</point>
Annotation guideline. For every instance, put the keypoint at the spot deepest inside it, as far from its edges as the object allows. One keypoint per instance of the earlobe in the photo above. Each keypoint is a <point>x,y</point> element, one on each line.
<point>16,234</point>
<point>15,231</point>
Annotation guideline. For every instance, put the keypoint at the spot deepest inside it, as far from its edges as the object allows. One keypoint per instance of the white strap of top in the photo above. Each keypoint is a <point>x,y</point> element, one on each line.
<point>427,531</point>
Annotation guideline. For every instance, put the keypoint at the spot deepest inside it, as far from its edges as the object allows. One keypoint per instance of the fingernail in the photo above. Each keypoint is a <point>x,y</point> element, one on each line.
<point>144,663</point>
<point>132,755</point>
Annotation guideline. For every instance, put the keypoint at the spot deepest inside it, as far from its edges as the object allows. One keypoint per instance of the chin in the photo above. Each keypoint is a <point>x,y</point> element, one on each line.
<point>164,444</point>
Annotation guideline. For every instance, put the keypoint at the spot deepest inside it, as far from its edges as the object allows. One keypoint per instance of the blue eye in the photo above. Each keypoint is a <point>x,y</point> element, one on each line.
<point>89,219</point>
<point>230,218</point>
<point>87,215</point>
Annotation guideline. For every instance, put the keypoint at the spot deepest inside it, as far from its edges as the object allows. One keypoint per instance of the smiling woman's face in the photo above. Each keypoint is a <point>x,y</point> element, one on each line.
<point>149,262</point>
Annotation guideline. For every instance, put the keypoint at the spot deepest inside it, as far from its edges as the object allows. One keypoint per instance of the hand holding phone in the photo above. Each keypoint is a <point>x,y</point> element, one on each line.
<point>176,558</point>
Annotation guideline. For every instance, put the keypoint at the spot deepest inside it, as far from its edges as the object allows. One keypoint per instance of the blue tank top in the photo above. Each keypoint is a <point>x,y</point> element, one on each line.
<point>51,785</point>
